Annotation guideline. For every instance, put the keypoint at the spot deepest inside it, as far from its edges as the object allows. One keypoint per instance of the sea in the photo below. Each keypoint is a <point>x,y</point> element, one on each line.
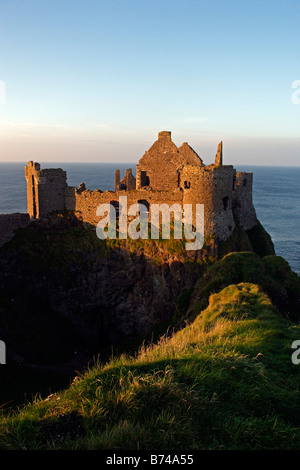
<point>276,196</point>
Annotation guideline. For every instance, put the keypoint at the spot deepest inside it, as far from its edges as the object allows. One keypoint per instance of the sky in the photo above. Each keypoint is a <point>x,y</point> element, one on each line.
<point>95,80</point>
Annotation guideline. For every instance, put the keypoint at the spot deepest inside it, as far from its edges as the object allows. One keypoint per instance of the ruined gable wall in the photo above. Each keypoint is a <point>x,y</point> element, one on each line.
<point>189,154</point>
<point>159,164</point>
<point>162,163</point>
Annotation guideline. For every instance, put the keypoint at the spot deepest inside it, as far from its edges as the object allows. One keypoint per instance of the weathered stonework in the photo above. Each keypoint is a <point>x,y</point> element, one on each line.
<point>242,200</point>
<point>219,155</point>
<point>211,186</point>
<point>165,174</point>
<point>45,189</point>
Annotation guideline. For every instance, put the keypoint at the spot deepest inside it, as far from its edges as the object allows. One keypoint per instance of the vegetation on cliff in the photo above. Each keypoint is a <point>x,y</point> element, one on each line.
<point>224,378</point>
<point>57,254</point>
<point>272,273</point>
<point>226,381</point>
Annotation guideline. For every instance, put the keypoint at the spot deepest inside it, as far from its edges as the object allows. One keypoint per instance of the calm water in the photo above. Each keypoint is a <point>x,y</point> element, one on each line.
<point>276,196</point>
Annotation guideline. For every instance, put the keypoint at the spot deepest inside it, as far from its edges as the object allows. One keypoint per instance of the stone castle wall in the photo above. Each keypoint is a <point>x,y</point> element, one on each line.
<point>211,186</point>
<point>85,203</point>
<point>242,200</point>
<point>165,175</point>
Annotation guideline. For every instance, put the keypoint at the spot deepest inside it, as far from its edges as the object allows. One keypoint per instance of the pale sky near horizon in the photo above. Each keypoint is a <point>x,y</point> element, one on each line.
<point>94,80</point>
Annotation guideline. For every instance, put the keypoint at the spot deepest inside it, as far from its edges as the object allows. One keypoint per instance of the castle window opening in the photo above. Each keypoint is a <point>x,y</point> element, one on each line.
<point>145,211</point>
<point>225,202</point>
<point>145,180</point>
<point>117,207</point>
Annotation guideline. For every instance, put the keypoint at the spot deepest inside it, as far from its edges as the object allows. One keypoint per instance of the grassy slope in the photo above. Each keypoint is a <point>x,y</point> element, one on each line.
<point>272,273</point>
<point>226,381</point>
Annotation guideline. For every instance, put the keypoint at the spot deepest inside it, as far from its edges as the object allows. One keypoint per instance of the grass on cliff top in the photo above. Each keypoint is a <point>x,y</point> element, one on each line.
<point>226,381</point>
<point>60,241</point>
<point>272,273</point>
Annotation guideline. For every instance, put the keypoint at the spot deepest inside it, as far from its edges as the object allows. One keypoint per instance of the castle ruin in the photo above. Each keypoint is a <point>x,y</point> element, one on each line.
<point>165,174</point>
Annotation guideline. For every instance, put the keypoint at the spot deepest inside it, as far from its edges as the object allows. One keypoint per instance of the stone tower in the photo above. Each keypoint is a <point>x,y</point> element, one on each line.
<point>45,190</point>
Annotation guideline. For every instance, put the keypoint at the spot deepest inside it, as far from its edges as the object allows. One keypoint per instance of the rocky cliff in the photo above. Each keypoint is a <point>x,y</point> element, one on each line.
<point>62,289</point>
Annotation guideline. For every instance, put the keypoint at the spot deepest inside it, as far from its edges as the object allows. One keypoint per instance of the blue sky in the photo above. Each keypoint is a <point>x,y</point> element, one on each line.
<point>96,80</point>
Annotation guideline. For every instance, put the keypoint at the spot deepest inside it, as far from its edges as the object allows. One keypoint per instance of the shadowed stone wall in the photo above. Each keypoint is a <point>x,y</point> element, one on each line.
<point>242,200</point>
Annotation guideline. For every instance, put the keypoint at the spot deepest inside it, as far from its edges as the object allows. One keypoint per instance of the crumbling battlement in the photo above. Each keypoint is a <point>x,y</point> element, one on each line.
<point>165,174</point>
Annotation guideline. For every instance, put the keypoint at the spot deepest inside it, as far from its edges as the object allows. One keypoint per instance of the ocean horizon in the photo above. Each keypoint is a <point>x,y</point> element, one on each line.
<point>276,196</point>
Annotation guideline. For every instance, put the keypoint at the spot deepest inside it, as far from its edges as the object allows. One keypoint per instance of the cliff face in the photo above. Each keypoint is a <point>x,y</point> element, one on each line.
<point>107,299</point>
<point>9,223</point>
<point>62,289</point>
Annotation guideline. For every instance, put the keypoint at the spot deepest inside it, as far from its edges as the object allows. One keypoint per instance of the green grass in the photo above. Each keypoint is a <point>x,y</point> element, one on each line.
<point>272,273</point>
<point>225,381</point>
